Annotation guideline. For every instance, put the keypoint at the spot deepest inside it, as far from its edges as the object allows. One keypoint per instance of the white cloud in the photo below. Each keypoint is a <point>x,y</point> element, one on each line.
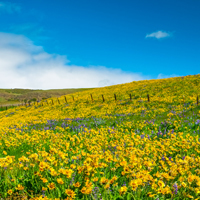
<point>9,7</point>
<point>25,65</point>
<point>158,35</point>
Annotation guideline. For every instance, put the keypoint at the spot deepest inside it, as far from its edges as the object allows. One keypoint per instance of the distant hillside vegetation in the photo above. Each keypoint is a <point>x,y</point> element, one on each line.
<point>14,96</point>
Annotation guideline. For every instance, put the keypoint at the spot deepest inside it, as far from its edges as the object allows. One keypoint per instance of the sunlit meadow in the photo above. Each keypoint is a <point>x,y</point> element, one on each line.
<point>125,147</point>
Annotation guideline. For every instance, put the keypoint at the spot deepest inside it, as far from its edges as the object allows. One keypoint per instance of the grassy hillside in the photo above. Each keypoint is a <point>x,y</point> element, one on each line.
<point>16,96</point>
<point>121,145</point>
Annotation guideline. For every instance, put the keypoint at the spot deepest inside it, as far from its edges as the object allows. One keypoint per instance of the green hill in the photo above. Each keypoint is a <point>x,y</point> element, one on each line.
<point>16,96</point>
<point>133,141</point>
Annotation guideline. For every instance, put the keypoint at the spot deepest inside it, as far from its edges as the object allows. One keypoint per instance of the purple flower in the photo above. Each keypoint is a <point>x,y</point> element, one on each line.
<point>197,122</point>
<point>176,188</point>
<point>43,193</point>
<point>142,136</point>
<point>163,158</point>
<point>183,157</point>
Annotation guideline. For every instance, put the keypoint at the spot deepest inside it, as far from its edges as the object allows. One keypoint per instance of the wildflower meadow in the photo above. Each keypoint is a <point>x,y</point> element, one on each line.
<point>139,140</point>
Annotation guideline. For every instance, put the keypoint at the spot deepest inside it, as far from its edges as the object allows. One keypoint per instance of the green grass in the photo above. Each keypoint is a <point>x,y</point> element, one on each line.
<point>10,97</point>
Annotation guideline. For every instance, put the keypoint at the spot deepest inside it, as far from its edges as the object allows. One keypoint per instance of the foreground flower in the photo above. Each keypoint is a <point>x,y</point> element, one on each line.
<point>77,184</point>
<point>19,187</point>
<point>44,180</point>
<point>70,193</point>
<point>85,190</point>
<point>51,186</point>
<point>10,192</point>
<point>122,190</point>
<point>60,181</point>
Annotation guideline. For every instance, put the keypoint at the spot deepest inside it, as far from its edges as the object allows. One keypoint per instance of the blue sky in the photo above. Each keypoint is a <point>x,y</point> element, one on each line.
<point>95,43</point>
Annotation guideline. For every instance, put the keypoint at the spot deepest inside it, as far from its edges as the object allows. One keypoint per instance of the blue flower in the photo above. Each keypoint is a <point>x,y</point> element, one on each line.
<point>176,188</point>
<point>197,122</point>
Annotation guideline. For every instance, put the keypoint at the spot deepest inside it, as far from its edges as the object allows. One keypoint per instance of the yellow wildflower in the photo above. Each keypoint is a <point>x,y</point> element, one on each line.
<point>122,190</point>
<point>70,193</point>
<point>60,181</point>
<point>19,187</point>
<point>51,186</point>
<point>10,192</point>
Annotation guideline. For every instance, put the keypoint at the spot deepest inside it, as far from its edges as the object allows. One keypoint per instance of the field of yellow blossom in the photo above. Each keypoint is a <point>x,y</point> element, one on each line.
<point>139,140</point>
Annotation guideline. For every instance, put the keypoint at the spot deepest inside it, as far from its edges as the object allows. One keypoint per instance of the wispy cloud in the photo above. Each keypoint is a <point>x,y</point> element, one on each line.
<point>30,30</point>
<point>161,76</point>
<point>25,65</point>
<point>159,35</point>
<point>26,27</point>
<point>9,7</point>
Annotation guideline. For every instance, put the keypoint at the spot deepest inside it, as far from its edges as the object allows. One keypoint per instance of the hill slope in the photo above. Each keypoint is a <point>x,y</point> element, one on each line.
<point>16,96</point>
<point>88,146</point>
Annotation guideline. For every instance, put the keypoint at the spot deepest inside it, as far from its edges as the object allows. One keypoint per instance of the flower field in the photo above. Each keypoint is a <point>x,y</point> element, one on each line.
<point>121,145</point>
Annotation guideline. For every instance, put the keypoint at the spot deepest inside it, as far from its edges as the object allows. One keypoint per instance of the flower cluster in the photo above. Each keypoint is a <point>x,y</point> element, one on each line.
<point>117,149</point>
